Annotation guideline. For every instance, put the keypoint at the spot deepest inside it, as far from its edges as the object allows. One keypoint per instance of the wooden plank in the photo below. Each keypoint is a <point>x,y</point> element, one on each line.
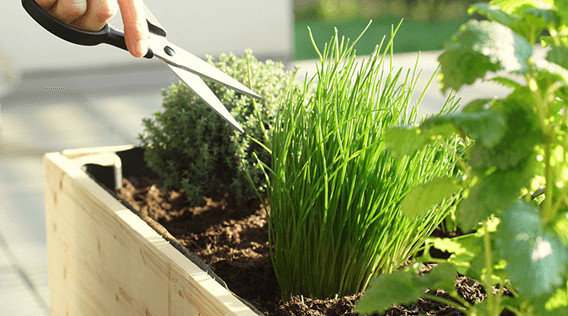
<point>104,260</point>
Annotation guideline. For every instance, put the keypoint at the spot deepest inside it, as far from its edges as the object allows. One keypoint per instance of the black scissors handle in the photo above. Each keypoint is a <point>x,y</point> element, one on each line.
<point>107,35</point>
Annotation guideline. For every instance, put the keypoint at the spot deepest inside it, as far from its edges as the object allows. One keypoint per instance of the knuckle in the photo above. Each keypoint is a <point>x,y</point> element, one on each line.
<point>76,8</point>
<point>106,13</point>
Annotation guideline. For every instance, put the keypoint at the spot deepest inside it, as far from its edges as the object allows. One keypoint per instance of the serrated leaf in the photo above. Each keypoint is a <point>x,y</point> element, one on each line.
<point>404,287</point>
<point>493,13</point>
<point>479,47</point>
<point>507,82</point>
<point>423,197</point>
<point>517,144</point>
<point>536,258</point>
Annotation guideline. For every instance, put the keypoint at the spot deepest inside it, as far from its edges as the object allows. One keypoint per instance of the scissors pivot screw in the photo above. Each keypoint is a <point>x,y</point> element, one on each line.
<point>170,51</point>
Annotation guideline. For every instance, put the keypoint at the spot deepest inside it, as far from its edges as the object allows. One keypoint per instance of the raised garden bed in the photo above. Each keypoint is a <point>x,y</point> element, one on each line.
<point>109,258</point>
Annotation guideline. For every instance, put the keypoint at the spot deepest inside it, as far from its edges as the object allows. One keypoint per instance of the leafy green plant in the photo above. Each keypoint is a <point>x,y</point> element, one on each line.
<point>335,191</point>
<point>193,149</point>
<point>515,175</point>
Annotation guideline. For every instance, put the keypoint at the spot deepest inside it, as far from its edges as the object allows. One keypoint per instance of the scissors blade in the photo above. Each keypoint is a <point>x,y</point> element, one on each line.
<point>198,86</point>
<point>178,57</point>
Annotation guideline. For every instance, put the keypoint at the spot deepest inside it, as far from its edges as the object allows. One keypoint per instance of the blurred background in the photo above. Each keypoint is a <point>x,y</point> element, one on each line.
<point>427,23</point>
<point>55,95</point>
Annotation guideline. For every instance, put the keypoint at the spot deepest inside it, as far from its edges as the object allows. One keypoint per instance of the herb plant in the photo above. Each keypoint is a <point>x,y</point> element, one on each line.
<point>335,191</point>
<point>193,149</point>
<point>514,174</point>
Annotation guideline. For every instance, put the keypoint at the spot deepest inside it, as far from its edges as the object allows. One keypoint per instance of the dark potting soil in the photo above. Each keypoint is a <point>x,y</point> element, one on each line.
<point>231,237</point>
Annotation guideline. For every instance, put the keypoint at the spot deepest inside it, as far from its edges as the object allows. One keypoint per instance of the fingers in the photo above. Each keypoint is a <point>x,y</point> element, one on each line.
<point>68,11</point>
<point>98,13</point>
<point>94,14</point>
<point>135,26</point>
<point>46,4</point>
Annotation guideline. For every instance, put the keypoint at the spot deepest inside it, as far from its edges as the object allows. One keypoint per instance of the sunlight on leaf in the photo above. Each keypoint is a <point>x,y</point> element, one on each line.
<point>479,47</point>
<point>536,258</point>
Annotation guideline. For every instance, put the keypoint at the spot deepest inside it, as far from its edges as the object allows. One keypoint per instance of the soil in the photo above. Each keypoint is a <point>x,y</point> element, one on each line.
<point>231,237</point>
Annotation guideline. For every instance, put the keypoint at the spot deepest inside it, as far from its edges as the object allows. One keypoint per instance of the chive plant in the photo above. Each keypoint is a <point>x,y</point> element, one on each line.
<point>335,191</point>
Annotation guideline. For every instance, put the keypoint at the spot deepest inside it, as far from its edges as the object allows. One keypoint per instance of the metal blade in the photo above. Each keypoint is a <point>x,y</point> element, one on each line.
<point>153,25</point>
<point>198,86</point>
<point>176,56</point>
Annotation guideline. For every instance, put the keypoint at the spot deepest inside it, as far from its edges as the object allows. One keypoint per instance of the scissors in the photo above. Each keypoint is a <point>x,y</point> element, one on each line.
<point>188,67</point>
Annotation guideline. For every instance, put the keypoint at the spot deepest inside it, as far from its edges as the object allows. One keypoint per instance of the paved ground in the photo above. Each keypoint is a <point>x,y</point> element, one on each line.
<point>85,108</point>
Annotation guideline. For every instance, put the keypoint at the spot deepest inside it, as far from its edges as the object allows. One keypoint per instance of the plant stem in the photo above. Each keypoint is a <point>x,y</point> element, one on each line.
<point>491,303</point>
<point>547,209</point>
<point>543,111</point>
<point>466,168</point>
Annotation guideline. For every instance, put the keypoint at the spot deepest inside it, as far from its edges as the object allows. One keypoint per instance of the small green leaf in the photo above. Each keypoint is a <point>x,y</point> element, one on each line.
<point>536,258</point>
<point>405,140</point>
<point>423,197</point>
<point>463,250</point>
<point>402,141</point>
<point>404,287</point>
<point>480,47</point>
<point>493,193</point>
<point>486,126</point>
<point>475,106</point>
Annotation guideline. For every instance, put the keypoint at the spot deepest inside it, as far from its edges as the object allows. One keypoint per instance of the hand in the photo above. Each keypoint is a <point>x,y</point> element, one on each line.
<point>92,15</point>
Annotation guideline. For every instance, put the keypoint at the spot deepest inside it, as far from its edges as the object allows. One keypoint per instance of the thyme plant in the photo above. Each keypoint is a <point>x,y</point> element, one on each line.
<point>193,149</point>
<point>515,171</point>
<point>335,191</point>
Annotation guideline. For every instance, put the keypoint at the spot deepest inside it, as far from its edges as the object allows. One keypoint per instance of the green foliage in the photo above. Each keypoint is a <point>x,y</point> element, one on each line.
<point>405,287</point>
<point>193,149</point>
<point>340,10</point>
<point>539,255</point>
<point>335,191</point>
<point>481,47</point>
<point>514,171</point>
<point>428,195</point>
<point>414,36</point>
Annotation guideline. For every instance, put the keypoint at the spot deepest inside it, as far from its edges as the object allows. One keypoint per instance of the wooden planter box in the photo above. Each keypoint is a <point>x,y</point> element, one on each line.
<point>104,260</point>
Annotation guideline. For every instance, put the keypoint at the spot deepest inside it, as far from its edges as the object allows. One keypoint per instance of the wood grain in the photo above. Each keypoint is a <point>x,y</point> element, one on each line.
<point>104,260</point>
